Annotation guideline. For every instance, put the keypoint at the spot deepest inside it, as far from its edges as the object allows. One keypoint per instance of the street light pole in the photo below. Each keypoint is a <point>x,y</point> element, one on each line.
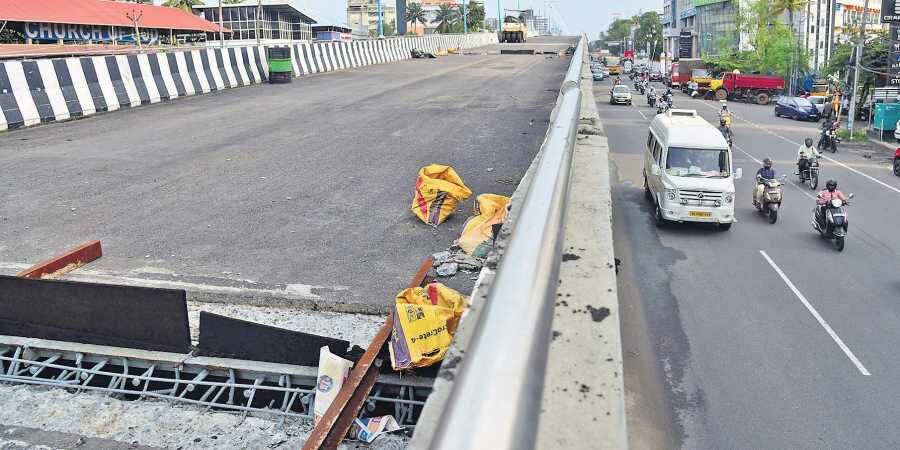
<point>380,19</point>
<point>465,18</point>
<point>859,47</point>
<point>499,17</point>
<point>221,27</point>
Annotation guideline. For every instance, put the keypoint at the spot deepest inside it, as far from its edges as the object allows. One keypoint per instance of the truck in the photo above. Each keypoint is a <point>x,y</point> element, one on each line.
<point>514,30</point>
<point>755,88</point>
<point>683,71</point>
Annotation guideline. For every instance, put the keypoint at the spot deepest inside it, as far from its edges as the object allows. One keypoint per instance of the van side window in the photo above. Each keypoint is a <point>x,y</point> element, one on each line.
<point>649,140</point>
<point>656,151</point>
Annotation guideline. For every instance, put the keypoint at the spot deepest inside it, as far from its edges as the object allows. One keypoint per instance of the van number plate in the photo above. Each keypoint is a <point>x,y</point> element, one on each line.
<point>700,214</point>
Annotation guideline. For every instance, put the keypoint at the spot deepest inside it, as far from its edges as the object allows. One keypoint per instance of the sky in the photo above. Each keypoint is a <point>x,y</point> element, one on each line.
<point>581,16</point>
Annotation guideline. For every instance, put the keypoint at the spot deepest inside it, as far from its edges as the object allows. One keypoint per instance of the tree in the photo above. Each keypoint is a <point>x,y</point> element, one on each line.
<point>773,49</point>
<point>649,34</point>
<point>873,58</point>
<point>186,5</point>
<point>445,17</point>
<point>618,30</point>
<point>475,16</point>
<point>388,29</point>
<point>415,14</point>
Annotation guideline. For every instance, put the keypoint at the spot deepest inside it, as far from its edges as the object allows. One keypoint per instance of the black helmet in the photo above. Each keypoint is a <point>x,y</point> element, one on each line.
<point>722,121</point>
<point>767,163</point>
<point>831,185</point>
<point>809,142</point>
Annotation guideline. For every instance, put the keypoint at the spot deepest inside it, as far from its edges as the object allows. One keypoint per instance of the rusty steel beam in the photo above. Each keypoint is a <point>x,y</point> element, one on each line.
<point>334,425</point>
<point>80,255</point>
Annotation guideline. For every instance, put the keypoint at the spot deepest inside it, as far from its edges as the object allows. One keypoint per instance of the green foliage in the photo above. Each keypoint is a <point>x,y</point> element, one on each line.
<point>445,17</point>
<point>415,14</point>
<point>858,134</point>
<point>475,16</point>
<point>649,33</point>
<point>774,47</point>
<point>186,5</point>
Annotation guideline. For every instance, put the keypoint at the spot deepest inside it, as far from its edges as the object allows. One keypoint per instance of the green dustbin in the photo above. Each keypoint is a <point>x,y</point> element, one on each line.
<point>281,69</point>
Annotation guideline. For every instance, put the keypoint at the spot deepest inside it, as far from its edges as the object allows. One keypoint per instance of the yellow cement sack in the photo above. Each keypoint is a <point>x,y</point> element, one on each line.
<point>425,320</point>
<point>438,190</point>
<point>477,237</point>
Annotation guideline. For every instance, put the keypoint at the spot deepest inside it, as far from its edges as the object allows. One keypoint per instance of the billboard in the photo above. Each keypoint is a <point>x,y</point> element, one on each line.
<point>890,11</point>
<point>52,32</point>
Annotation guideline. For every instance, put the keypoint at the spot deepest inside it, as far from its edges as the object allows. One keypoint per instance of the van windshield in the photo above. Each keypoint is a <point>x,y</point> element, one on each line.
<point>696,162</point>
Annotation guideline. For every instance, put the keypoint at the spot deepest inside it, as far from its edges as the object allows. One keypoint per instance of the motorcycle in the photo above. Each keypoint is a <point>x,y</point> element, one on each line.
<point>769,200</point>
<point>835,223</point>
<point>662,106</point>
<point>639,86</point>
<point>651,99</point>
<point>828,140</point>
<point>897,163</point>
<point>810,174</point>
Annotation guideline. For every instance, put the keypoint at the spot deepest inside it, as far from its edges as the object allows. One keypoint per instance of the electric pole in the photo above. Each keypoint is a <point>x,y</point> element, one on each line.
<point>221,27</point>
<point>380,18</point>
<point>859,48</point>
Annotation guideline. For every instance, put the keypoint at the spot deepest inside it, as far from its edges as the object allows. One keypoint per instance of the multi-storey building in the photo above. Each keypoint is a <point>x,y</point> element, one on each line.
<point>829,22</point>
<point>362,15</point>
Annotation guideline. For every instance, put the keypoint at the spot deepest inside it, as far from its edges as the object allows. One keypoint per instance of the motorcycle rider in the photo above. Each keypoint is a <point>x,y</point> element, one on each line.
<point>829,193</point>
<point>651,96</point>
<point>764,173</point>
<point>805,155</point>
<point>726,131</point>
<point>724,113</point>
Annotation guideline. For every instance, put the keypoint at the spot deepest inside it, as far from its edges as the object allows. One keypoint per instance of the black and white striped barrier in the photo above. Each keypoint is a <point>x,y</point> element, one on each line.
<point>49,90</point>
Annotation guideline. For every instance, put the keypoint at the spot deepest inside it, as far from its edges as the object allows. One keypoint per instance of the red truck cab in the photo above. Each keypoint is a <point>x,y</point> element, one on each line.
<point>897,162</point>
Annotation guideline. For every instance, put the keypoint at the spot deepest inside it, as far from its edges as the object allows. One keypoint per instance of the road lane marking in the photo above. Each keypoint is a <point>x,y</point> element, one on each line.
<point>640,112</point>
<point>871,178</point>
<point>816,315</point>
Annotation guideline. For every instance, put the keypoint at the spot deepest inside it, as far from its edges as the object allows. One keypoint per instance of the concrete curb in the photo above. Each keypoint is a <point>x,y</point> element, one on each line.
<point>584,401</point>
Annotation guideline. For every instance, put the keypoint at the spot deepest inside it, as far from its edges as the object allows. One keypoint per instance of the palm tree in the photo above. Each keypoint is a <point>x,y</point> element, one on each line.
<point>415,14</point>
<point>186,5</point>
<point>445,17</point>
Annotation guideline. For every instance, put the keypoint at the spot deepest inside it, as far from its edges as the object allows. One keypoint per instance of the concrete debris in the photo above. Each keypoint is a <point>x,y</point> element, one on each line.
<point>448,269</point>
<point>441,258</point>
<point>490,169</point>
<point>467,262</point>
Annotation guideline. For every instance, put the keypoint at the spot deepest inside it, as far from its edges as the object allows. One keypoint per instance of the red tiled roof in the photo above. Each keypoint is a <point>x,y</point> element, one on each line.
<point>102,12</point>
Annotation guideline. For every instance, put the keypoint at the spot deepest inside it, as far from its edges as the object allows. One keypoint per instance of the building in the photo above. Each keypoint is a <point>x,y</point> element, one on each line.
<point>680,36</point>
<point>332,33</point>
<point>717,26</point>
<point>829,22</point>
<point>98,21</point>
<point>362,16</point>
<point>276,21</point>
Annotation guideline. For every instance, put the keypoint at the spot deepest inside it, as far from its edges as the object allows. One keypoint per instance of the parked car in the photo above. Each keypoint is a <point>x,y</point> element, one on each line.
<point>819,101</point>
<point>897,131</point>
<point>797,108</point>
<point>620,94</point>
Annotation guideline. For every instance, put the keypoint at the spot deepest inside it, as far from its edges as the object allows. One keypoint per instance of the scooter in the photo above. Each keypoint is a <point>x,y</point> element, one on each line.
<point>835,223</point>
<point>897,163</point>
<point>770,200</point>
<point>810,175</point>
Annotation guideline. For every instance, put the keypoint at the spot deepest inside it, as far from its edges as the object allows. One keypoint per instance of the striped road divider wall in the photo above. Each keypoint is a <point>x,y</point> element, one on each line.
<point>51,90</point>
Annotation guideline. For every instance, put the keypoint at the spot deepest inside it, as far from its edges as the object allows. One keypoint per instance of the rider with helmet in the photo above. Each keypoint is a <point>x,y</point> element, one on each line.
<point>805,155</point>
<point>764,173</point>
<point>726,131</point>
<point>828,194</point>
<point>724,113</point>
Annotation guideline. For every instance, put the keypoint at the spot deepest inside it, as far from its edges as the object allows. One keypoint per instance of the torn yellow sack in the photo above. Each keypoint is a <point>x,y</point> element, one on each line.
<point>425,320</point>
<point>438,190</point>
<point>477,237</point>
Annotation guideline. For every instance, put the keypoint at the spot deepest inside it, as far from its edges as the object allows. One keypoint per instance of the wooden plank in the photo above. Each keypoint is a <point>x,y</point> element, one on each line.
<point>334,425</point>
<point>80,255</point>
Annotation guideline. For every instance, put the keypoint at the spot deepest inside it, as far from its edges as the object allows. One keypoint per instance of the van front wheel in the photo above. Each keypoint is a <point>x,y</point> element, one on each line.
<point>647,193</point>
<point>724,226</point>
<point>658,218</point>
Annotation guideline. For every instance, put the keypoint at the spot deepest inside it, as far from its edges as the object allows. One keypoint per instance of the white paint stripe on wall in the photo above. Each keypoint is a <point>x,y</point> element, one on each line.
<point>181,63</point>
<point>22,93</point>
<point>81,87</point>
<point>147,75</point>
<point>251,56</point>
<point>128,80</point>
<point>163,60</point>
<point>198,70</point>
<point>105,82</point>
<point>242,69</point>
<point>229,70</point>
<point>51,87</point>
<point>214,69</point>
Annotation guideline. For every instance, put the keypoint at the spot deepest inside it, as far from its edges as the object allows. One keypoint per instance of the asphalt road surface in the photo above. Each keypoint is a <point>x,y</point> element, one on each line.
<point>307,184</point>
<point>763,336</point>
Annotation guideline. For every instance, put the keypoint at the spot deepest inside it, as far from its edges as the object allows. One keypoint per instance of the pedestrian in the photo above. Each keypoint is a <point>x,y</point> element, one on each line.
<point>827,111</point>
<point>836,104</point>
<point>845,104</point>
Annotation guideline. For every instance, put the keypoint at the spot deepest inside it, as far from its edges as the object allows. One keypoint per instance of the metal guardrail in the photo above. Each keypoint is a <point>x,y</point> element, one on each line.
<point>495,401</point>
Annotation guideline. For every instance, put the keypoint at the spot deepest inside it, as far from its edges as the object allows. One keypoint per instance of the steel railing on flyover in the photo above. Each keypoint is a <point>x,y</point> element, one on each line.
<point>495,400</point>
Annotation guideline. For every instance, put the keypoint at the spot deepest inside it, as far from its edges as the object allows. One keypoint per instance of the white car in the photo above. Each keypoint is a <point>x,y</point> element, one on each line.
<point>818,101</point>
<point>897,131</point>
<point>620,94</point>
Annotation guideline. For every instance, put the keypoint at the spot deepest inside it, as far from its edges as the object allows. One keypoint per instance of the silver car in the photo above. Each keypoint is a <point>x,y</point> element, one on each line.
<point>620,94</point>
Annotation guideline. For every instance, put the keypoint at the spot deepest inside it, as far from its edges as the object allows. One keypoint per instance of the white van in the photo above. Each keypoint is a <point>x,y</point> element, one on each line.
<point>688,170</point>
